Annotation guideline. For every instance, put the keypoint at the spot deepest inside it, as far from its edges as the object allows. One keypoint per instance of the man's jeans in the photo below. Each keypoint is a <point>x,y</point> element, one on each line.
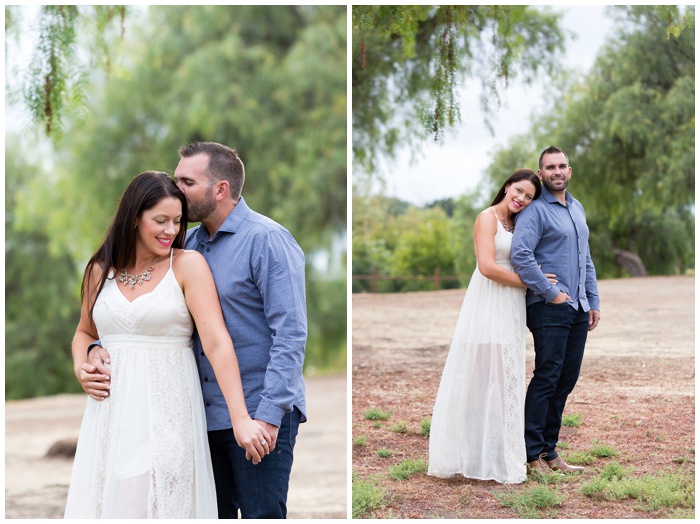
<point>259,491</point>
<point>559,332</point>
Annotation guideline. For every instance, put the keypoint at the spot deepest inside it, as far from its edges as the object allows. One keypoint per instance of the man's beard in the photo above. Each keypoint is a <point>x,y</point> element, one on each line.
<point>200,211</point>
<point>548,184</point>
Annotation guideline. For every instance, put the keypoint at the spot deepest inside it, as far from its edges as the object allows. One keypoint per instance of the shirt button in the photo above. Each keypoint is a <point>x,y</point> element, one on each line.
<point>206,379</point>
<point>208,249</point>
<point>207,404</point>
<point>202,353</point>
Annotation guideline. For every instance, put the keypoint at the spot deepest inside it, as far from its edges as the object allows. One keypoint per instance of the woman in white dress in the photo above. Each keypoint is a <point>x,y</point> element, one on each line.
<point>143,450</point>
<point>477,428</point>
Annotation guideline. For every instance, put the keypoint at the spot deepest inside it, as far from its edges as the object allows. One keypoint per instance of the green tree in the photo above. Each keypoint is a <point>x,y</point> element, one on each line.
<point>629,129</point>
<point>410,61</point>
<point>422,246</point>
<point>41,306</point>
<point>55,82</point>
<point>269,81</point>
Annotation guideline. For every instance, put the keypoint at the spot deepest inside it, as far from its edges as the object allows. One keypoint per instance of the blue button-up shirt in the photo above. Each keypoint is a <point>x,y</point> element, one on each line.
<point>258,269</point>
<point>555,236</point>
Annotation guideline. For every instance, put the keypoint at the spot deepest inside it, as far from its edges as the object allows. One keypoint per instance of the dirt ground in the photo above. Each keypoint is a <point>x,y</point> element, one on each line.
<point>636,393</point>
<point>36,486</point>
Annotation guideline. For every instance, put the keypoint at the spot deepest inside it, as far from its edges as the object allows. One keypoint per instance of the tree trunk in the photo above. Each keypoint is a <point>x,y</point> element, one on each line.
<point>630,262</point>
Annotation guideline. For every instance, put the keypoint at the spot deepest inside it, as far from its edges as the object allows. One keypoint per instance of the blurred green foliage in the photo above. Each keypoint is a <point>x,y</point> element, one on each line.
<point>269,81</point>
<point>628,127</point>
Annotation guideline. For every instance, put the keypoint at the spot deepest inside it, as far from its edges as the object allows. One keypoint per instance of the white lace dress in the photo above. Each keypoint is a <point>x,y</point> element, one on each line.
<point>143,452</point>
<point>477,428</point>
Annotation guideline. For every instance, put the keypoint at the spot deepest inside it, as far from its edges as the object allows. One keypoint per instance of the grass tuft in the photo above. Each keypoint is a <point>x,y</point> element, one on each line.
<point>603,451</point>
<point>407,468</point>
<point>571,420</point>
<point>359,441</point>
<point>530,504</point>
<point>399,427</point>
<point>580,458</point>
<point>384,453</point>
<point>376,414</point>
<point>425,426</point>
<point>366,497</point>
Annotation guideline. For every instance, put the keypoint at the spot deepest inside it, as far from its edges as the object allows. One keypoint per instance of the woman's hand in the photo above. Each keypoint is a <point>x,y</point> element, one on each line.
<point>551,278</point>
<point>252,437</point>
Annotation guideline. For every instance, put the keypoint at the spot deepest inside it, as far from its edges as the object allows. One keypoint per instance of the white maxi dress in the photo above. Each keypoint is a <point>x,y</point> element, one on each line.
<point>143,451</point>
<point>477,428</point>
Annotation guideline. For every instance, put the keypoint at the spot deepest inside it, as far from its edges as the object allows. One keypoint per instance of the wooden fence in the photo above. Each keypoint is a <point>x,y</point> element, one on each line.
<point>437,278</point>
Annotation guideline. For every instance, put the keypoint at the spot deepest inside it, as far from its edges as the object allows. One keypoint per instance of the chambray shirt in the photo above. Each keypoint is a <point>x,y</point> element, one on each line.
<point>555,236</point>
<point>258,270</point>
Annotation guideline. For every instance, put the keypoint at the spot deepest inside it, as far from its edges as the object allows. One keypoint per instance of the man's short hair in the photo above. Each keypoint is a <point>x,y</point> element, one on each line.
<point>224,164</point>
<point>551,150</point>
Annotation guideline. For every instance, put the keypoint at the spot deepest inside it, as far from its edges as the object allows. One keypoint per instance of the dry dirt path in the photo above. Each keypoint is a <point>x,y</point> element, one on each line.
<point>636,392</point>
<point>36,487</point>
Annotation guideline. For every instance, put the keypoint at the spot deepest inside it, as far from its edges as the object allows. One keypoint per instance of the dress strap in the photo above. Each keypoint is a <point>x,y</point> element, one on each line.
<point>171,257</point>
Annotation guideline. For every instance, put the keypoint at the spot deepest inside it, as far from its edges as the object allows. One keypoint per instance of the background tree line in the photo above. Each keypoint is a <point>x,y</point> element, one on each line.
<point>269,81</point>
<point>628,127</point>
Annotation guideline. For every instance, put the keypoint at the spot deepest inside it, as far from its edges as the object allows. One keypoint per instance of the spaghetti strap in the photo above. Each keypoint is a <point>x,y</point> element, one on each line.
<point>171,257</point>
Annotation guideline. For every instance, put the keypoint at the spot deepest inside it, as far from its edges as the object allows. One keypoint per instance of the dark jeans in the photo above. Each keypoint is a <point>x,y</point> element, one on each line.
<point>559,332</point>
<point>259,491</point>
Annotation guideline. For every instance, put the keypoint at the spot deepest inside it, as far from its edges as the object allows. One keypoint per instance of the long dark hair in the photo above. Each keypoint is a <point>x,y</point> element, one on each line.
<point>118,249</point>
<point>520,174</point>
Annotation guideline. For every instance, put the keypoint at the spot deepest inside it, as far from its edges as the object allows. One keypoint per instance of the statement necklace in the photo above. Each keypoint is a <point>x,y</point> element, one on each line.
<point>131,280</point>
<point>506,226</point>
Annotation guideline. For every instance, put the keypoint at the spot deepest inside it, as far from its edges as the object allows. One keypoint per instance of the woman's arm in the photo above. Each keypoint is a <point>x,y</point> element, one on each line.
<point>202,300</point>
<point>93,380</point>
<point>485,228</point>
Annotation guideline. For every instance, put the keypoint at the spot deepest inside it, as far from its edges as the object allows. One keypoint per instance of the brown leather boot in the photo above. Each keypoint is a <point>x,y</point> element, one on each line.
<point>538,466</point>
<point>559,465</point>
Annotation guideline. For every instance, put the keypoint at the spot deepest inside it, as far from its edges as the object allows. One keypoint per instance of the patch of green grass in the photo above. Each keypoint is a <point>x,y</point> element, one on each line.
<point>603,451</point>
<point>532,502</point>
<point>614,471</point>
<point>399,427</point>
<point>425,426</point>
<point>359,441</point>
<point>580,458</point>
<point>571,420</point>
<point>376,414</point>
<point>384,453</point>
<point>377,424</point>
<point>367,496</point>
<point>546,478</point>
<point>668,490</point>
<point>563,445</point>
<point>681,514</point>
<point>407,468</point>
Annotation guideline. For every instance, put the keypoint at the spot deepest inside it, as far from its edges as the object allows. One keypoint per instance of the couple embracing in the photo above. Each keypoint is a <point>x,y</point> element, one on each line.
<point>485,426</point>
<point>177,423</point>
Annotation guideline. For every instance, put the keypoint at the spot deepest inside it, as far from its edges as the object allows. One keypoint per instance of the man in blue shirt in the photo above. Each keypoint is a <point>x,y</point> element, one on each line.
<point>258,269</point>
<point>551,236</point>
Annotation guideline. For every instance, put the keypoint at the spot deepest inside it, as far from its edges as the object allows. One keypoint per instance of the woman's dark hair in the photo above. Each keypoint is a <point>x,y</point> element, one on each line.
<point>520,174</point>
<point>118,249</point>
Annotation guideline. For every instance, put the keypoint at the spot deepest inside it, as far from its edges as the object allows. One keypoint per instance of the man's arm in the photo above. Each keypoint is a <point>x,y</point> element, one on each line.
<point>528,232</point>
<point>281,282</point>
<point>592,292</point>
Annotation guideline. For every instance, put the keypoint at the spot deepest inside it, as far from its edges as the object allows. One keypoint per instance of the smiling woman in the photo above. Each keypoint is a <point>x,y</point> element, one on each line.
<point>143,450</point>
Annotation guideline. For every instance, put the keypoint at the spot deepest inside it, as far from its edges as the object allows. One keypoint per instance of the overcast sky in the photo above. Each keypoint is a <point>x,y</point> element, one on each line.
<point>459,165</point>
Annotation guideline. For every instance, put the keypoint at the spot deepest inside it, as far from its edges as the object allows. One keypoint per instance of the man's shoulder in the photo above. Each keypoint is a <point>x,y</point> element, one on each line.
<point>258,224</point>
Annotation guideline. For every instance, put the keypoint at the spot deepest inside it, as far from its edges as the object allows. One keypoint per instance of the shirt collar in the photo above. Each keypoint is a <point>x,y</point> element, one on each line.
<point>551,199</point>
<point>231,224</point>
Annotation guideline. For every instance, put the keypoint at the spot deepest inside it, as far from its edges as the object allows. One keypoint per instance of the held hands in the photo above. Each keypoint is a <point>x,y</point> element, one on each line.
<point>252,436</point>
<point>94,376</point>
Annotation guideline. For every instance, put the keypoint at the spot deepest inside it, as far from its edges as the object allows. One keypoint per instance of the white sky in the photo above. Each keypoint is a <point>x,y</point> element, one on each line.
<point>460,163</point>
